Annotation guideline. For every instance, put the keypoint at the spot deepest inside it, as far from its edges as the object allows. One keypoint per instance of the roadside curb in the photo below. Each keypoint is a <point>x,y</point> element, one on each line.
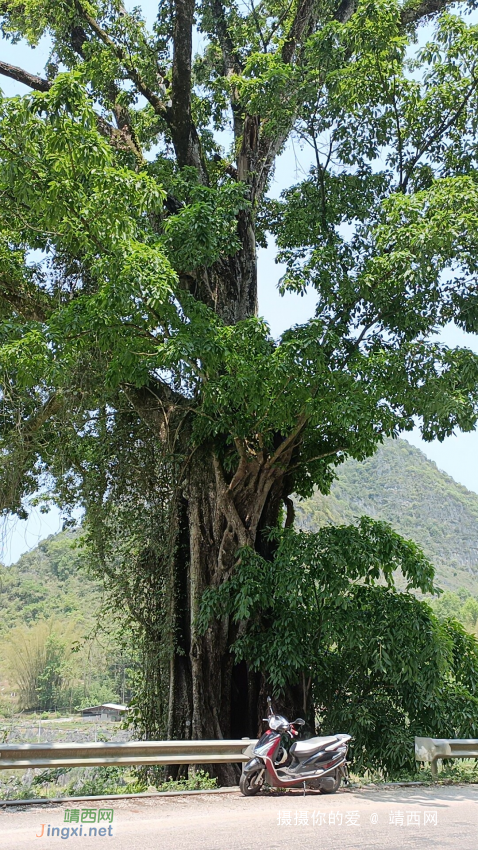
<point>372,786</point>
<point>146,794</point>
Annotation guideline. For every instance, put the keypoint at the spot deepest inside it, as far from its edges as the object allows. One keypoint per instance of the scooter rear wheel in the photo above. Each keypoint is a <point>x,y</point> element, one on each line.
<point>251,783</point>
<point>335,787</point>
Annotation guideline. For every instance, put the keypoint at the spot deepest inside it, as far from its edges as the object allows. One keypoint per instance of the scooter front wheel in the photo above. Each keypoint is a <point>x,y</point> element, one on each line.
<point>251,783</point>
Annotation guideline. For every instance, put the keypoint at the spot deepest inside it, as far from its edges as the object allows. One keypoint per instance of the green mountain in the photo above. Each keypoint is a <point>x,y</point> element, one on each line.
<point>400,485</point>
<point>51,581</point>
<point>58,648</point>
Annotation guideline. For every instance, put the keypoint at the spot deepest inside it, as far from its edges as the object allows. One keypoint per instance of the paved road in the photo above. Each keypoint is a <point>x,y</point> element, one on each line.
<point>444,818</point>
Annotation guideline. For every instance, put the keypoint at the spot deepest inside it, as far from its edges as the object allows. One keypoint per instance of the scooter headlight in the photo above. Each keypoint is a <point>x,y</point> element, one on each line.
<point>277,722</point>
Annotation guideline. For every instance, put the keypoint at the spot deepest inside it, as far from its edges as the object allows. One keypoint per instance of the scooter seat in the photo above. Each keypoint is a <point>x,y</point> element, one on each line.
<point>306,748</point>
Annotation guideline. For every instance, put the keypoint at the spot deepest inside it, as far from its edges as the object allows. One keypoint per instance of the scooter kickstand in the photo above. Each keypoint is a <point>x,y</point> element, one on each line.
<point>304,787</point>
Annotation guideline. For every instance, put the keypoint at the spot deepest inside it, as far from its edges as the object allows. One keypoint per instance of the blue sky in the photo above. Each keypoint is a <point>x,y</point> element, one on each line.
<point>457,455</point>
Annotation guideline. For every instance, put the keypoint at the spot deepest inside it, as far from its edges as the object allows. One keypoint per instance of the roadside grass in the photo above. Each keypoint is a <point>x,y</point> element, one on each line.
<point>86,781</point>
<point>450,771</point>
<point>98,781</point>
<point>91,782</point>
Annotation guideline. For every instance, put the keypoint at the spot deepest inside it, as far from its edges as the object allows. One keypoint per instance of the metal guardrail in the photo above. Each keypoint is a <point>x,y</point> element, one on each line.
<point>15,756</point>
<point>433,749</point>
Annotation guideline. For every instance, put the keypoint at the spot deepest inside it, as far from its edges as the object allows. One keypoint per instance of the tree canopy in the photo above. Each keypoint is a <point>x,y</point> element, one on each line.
<point>117,198</point>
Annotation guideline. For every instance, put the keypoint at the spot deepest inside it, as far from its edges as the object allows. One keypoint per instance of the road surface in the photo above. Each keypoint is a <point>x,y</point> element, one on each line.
<point>441,818</point>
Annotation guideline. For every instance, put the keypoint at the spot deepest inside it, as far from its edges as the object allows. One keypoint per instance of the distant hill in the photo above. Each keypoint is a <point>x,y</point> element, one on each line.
<point>56,651</point>
<point>50,581</point>
<point>400,485</point>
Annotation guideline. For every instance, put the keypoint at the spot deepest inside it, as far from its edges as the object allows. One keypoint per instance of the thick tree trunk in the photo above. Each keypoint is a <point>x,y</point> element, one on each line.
<point>210,695</point>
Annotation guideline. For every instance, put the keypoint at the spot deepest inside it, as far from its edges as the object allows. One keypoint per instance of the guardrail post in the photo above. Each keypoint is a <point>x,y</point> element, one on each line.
<point>433,750</point>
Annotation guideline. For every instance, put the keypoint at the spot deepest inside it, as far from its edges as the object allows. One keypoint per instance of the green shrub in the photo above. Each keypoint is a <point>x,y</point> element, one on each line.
<point>198,781</point>
<point>328,629</point>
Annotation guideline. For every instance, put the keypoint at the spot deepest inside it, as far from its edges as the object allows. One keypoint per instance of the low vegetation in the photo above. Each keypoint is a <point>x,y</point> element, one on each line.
<point>93,781</point>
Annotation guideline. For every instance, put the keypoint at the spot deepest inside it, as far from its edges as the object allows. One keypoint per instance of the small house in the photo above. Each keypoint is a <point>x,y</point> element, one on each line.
<point>107,711</point>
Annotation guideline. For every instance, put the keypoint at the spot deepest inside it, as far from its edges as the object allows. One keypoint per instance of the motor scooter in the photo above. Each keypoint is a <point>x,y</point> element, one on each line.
<point>319,763</point>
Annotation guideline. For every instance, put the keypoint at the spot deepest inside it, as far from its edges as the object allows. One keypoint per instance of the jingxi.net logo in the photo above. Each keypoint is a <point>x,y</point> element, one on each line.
<point>80,823</point>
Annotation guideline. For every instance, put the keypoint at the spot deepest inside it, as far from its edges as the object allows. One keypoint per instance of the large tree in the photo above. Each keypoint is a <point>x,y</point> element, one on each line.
<point>137,377</point>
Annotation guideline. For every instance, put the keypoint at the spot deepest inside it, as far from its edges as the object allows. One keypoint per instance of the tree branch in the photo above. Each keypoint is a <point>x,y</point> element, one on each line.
<point>22,300</point>
<point>258,27</point>
<point>156,404</point>
<point>345,10</point>
<point>317,457</point>
<point>231,62</point>
<point>229,509</point>
<point>289,521</point>
<point>444,126</point>
<point>126,138</point>
<point>178,115</point>
<point>16,460</point>
<point>133,74</point>
<point>399,133</point>
<point>21,76</point>
<point>413,12</point>
<point>184,134</point>
<point>289,441</point>
<point>304,19</point>
<point>121,138</point>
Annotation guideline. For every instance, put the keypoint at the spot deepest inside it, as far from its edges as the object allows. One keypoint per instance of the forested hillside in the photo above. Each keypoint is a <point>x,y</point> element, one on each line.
<point>50,581</point>
<point>57,650</point>
<point>400,485</point>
